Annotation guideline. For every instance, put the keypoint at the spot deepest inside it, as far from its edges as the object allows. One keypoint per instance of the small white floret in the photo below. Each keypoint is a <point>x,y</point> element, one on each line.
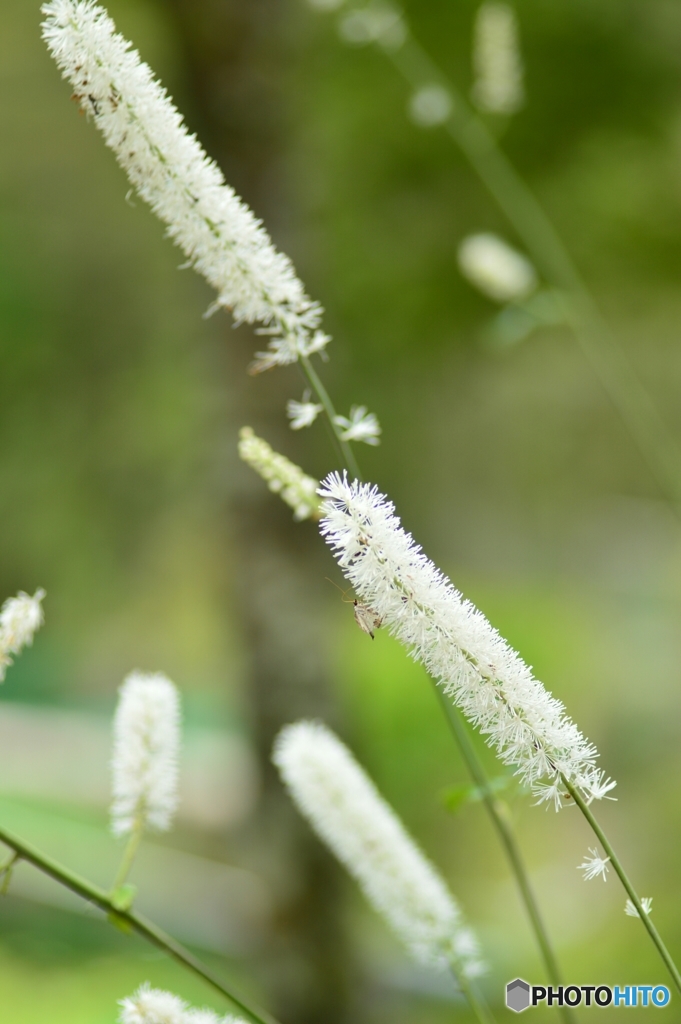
<point>379,22</point>
<point>431,105</point>
<point>359,426</point>
<point>646,902</point>
<point>20,618</point>
<point>345,809</point>
<point>154,1006</point>
<point>594,866</point>
<point>496,269</point>
<point>145,754</point>
<point>302,414</point>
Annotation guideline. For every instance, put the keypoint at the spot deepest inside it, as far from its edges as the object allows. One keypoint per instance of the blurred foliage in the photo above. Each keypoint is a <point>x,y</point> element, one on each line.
<point>119,436</point>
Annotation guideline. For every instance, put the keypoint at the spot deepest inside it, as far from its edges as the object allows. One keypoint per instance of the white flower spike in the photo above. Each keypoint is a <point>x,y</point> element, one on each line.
<point>495,269</point>
<point>216,231</point>
<point>498,66</point>
<point>594,866</point>
<point>302,414</point>
<point>154,1006</point>
<point>346,811</point>
<point>359,426</point>
<point>298,490</point>
<point>145,754</point>
<point>488,680</point>
<point>646,902</point>
<point>20,618</point>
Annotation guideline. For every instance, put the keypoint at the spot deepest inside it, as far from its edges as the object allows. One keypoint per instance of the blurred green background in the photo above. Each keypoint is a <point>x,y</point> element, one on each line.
<point>122,495</point>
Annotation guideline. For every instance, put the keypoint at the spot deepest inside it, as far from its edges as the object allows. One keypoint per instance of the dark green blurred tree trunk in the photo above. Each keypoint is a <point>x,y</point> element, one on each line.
<point>235,53</point>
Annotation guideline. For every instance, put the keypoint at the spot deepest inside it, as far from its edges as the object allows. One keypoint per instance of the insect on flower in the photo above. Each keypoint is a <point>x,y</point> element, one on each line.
<point>366,618</point>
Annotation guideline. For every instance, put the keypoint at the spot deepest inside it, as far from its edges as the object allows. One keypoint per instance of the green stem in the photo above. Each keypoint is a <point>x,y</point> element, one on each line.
<point>147,929</point>
<point>624,879</point>
<point>129,852</point>
<point>520,206</point>
<point>345,450</point>
<point>480,1009</point>
<point>500,819</point>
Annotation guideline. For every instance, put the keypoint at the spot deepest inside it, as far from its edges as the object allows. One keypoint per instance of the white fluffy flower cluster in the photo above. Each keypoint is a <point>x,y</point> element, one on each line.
<point>495,268</point>
<point>594,866</point>
<point>20,617</point>
<point>498,66</point>
<point>489,681</point>
<point>298,490</point>
<point>146,745</point>
<point>170,171</point>
<point>154,1006</point>
<point>347,812</point>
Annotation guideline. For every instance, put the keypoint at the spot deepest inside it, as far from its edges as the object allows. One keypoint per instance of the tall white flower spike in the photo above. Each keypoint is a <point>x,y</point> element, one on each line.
<point>488,680</point>
<point>215,229</point>
<point>154,1006</point>
<point>498,86</point>
<point>145,754</point>
<point>594,866</point>
<point>298,490</point>
<point>495,268</point>
<point>347,812</point>
<point>20,618</point>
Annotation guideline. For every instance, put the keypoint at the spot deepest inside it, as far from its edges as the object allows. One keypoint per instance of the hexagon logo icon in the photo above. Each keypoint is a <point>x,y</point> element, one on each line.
<point>517,995</point>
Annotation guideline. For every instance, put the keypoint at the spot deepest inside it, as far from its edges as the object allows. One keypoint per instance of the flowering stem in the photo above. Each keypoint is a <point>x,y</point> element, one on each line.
<point>480,1009</point>
<point>344,448</point>
<point>519,204</point>
<point>498,813</point>
<point>134,921</point>
<point>129,852</point>
<point>624,879</point>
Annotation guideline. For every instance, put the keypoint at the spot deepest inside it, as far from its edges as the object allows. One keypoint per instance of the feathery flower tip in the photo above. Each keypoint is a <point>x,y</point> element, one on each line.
<point>302,414</point>
<point>498,87</point>
<point>216,231</point>
<point>20,618</point>
<point>298,490</point>
<point>487,679</point>
<point>496,269</point>
<point>349,815</point>
<point>154,1006</point>
<point>145,753</point>
<point>594,866</point>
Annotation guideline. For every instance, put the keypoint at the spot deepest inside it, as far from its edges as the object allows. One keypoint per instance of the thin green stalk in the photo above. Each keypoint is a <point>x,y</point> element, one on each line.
<point>520,206</point>
<point>136,922</point>
<point>500,820</point>
<point>322,394</point>
<point>480,1009</point>
<point>624,879</point>
<point>129,853</point>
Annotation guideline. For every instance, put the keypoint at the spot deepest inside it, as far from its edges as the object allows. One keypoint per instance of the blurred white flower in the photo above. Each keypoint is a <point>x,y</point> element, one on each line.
<point>154,1006</point>
<point>431,105</point>
<point>302,414</point>
<point>498,67</point>
<point>378,22</point>
<point>347,812</point>
<point>298,490</point>
<point>594,865</point>
<point>360,426</point>
<point>495,268</point>
<point>488,680</point>
<point>167,166</point>
<point>646,902</point>
<point>20,618</point>
<point>145,754</point>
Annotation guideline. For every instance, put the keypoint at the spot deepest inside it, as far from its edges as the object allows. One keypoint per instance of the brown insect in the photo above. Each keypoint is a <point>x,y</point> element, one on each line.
<point>365,617</point>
